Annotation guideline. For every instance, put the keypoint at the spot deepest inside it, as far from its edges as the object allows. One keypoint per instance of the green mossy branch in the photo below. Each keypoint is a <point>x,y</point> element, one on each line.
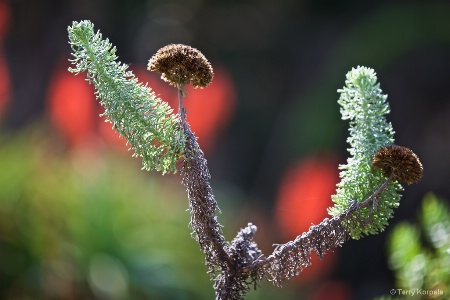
<point>133,109</point>
<point>364,105</point>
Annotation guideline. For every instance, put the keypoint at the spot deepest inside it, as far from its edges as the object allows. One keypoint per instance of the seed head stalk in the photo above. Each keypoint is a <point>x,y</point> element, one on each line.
<point>181,109</point>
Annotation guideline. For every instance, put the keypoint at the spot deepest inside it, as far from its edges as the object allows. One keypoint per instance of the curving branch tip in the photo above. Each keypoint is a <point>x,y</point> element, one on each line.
<point>400,162</point>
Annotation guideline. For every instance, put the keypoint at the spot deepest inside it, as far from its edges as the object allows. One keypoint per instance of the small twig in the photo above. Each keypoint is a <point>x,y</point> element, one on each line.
<point>181,109</point>
<point>358,205</point>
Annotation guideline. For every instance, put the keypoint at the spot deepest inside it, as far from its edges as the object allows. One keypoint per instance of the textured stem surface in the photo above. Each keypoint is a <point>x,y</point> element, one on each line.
<point>202,204</point>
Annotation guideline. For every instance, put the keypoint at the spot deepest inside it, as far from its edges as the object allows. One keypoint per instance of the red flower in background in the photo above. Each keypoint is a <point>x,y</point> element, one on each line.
<point>5,82</point>
<point>303,198</point>
<point>72,106</point>
<point>210,109</point>
<point>5,18</point>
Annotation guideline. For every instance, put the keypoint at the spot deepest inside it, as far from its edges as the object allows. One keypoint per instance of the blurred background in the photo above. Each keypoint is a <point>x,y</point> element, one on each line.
<point>80,220</point>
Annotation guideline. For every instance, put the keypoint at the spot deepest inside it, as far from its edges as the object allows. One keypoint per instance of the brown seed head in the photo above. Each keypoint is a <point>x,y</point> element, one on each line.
<point>180,64</point>
<point>399,161</point>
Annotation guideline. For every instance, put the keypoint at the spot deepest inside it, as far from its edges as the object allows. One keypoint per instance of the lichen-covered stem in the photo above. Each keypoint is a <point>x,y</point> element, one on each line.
<point>202,204</point>
<point>289,259</point>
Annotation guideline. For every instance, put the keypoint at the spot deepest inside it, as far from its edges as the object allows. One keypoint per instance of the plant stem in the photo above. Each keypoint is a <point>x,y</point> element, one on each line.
<point>181,110</point>
<point>289,259</point>
<point>358,205</point>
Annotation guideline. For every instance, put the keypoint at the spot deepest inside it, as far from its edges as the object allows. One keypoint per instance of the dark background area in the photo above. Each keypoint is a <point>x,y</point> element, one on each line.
<point>286,60</point>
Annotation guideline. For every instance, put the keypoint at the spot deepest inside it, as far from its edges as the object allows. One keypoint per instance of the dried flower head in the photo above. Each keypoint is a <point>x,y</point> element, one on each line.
<point>399,161</point>
<point>180,64</point>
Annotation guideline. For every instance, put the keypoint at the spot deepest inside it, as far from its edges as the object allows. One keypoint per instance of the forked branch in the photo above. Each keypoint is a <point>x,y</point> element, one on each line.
<point>162,138</point>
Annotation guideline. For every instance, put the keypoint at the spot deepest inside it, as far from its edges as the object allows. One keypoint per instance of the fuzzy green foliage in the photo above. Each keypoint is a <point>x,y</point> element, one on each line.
<point>76,226</point>
<point>419,253</point>
<point>134,110</point>
<point>364,105</point>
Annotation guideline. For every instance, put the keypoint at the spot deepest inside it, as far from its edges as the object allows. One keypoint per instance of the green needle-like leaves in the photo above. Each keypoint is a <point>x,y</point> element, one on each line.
<point>364,105</point>
<point>134,110</point>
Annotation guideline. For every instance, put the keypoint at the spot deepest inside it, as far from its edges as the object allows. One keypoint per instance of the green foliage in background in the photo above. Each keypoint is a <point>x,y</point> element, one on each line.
<point>90,225</point>
<point>364,105</point>
<point>134,110</point>
<point>419,254</point>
